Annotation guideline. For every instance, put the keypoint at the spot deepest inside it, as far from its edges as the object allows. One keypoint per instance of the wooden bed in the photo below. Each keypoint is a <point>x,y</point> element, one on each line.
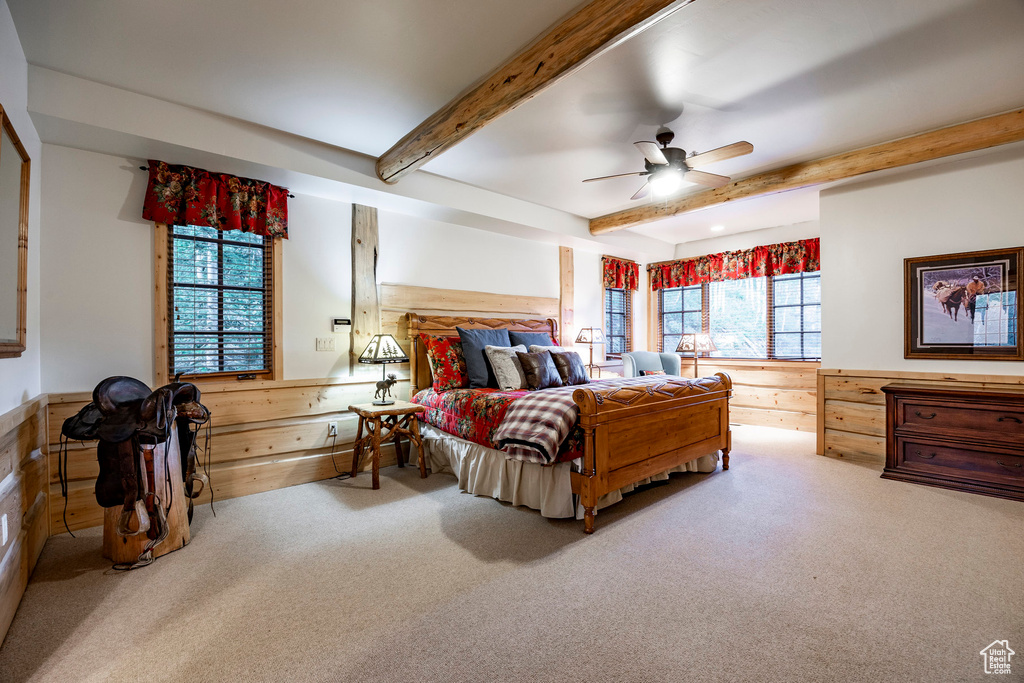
<point>630,433</point>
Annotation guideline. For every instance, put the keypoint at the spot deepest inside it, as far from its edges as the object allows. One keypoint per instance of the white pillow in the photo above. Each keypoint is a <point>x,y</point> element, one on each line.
<point>506,366</point>
<point>537,348</point>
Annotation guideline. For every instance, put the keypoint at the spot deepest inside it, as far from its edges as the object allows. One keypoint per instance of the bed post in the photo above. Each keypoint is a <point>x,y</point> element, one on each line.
<point>725,421</point>
<point>413,369</point>
<point>588,494</point>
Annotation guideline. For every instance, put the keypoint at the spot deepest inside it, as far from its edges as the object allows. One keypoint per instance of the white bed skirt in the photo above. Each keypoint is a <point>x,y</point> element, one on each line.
<point>484,471</point>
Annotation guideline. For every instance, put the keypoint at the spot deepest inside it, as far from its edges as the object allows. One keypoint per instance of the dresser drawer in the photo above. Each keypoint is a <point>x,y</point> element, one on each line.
<point>959,461</point>
<point>964,418</point>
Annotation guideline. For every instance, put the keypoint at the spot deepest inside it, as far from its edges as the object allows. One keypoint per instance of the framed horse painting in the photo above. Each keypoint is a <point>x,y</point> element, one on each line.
<point>964,306</point>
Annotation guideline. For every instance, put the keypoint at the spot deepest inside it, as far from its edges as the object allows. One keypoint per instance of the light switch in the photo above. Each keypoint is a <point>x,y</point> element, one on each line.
<point>325,343</point>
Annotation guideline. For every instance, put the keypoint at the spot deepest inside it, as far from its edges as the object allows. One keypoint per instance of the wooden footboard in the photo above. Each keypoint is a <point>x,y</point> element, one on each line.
<point>632,433</point>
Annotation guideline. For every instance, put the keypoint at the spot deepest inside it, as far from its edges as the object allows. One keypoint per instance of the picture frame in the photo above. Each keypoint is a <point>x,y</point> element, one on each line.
<point>964,306</point>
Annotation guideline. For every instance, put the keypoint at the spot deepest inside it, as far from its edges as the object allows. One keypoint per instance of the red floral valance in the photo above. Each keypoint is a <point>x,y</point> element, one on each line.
<point>773,259</point>
<point>619,273</point>
<point>183,195</point>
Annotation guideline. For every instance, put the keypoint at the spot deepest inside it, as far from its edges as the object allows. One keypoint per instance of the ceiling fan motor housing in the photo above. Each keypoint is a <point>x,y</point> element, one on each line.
<point>676,159</point>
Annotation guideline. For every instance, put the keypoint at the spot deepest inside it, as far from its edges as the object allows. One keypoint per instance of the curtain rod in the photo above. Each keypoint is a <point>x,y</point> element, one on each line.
<point>146,168</point>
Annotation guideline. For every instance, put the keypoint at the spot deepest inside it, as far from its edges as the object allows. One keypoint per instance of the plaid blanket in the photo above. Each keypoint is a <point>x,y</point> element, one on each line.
<point>535,425</point>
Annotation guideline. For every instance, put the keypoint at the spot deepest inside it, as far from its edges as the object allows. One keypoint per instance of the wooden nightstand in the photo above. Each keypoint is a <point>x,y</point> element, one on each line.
<point>384,424</point>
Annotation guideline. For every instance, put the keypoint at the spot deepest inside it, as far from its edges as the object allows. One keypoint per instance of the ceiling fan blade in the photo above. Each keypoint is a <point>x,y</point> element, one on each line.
<point>619,175</point>
<point>651,152</point>
<point>708,179</point>
<point>642,192</point>
<point>736,149</point>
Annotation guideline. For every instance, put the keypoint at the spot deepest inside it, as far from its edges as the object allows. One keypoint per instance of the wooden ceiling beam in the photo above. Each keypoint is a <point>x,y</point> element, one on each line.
<point>992,131</point>
<point>588,32</point>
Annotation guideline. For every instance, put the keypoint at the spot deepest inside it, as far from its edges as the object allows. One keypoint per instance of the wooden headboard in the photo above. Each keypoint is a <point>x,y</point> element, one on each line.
<point>444,326</point>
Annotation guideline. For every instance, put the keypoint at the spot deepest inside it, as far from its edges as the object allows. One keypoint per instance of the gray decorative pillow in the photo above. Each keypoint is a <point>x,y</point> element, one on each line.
<point>537,348</point>
<point>506,366</point>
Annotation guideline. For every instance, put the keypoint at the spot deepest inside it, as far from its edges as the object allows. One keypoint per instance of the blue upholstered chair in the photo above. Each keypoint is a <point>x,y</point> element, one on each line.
<point>635,361</point>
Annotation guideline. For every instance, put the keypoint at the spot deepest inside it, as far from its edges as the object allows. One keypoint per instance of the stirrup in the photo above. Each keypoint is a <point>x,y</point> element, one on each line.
<point>202,479</point>
<point>126,516</point>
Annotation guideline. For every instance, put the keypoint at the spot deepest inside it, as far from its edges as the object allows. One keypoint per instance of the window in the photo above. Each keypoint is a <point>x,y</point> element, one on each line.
<point>220,299</point>
<point>796,314</point>
<point>618,321</point>
<point>737,311</point>
<point>761,317</point>
<point>682,312</point>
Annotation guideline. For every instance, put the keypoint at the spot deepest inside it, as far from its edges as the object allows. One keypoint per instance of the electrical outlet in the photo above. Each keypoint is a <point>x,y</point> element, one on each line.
<point>3,523</point>
<point>325,343</point>
<point>332,429</point>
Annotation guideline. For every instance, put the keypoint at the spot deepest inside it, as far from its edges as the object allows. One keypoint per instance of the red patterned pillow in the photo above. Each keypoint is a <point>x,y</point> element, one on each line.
<point>644,373</point>
<point>447,364</point>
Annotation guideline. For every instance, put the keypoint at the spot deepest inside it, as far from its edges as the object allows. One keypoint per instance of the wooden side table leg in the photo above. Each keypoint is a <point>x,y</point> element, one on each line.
<point>357,449</point>
<point>396,424</point>
<point>414,429</point>
<point>376,454</point>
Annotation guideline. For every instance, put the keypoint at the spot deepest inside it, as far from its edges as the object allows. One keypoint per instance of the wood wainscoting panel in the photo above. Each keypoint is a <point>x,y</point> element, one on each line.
<point>853,407</point>
<point>269,436</point>
<point>23,501</point>
<point>767,393</point>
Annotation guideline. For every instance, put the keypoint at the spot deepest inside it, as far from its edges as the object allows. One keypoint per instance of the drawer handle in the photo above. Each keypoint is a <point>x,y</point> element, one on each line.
<point>1009,418</point>
<point>923,417</point>
<point>1000,462</point>
<point>929,457</point>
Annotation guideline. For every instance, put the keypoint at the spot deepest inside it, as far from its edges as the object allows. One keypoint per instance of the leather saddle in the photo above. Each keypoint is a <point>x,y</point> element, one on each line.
<point>127,418</point>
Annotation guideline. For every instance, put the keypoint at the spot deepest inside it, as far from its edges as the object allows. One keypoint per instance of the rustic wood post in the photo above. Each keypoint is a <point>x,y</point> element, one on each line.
<point>566,295</point>
<point>365,299</point>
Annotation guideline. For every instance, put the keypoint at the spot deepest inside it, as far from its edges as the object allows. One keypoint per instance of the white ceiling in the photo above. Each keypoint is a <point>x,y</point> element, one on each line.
<point>799,79</point>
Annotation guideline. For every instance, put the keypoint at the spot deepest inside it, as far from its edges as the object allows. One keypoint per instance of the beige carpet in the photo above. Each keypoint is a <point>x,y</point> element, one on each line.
<point>788,567</point>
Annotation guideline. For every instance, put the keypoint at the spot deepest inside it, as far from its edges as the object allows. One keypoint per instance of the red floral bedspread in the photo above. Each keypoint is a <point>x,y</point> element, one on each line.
<point>475,414</point>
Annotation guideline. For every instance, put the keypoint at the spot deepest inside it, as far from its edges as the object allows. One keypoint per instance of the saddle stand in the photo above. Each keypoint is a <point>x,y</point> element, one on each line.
<point>144,483</point>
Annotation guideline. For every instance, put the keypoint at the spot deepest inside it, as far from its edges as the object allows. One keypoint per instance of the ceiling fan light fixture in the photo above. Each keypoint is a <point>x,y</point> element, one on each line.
<point>666,182</point>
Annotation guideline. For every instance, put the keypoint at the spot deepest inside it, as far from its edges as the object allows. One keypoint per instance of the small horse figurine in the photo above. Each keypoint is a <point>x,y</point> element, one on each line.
<point>384,389</point>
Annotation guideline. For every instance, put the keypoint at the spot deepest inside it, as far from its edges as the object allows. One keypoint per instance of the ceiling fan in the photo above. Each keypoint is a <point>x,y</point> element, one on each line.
<point>667,167</point>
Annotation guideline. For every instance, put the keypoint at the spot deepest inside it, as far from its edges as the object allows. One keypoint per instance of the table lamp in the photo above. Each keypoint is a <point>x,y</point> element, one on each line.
<point>383,349</point>
<point>696,344</point>
<point>590,336</point>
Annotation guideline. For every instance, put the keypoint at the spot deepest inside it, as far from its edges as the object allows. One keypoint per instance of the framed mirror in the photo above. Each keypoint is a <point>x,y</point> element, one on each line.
<point>15,171</point>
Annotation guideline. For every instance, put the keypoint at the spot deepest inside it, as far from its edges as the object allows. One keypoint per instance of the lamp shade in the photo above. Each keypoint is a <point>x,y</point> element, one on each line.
<point>590,335</point>
<point>383,348</point>
<point>696,343</point>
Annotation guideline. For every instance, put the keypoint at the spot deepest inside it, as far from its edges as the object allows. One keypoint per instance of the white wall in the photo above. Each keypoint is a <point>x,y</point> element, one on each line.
<point>19,377</point>
<point>426,253</point>
<point>589,294</point>
<point>97,299</point>
<point>98,296</point>
<point>869,227</point>
<point>747,240</point>
<point>317,285</point>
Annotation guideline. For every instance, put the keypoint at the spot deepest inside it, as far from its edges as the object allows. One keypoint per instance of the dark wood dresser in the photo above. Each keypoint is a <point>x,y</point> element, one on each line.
<point>964,439</point>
